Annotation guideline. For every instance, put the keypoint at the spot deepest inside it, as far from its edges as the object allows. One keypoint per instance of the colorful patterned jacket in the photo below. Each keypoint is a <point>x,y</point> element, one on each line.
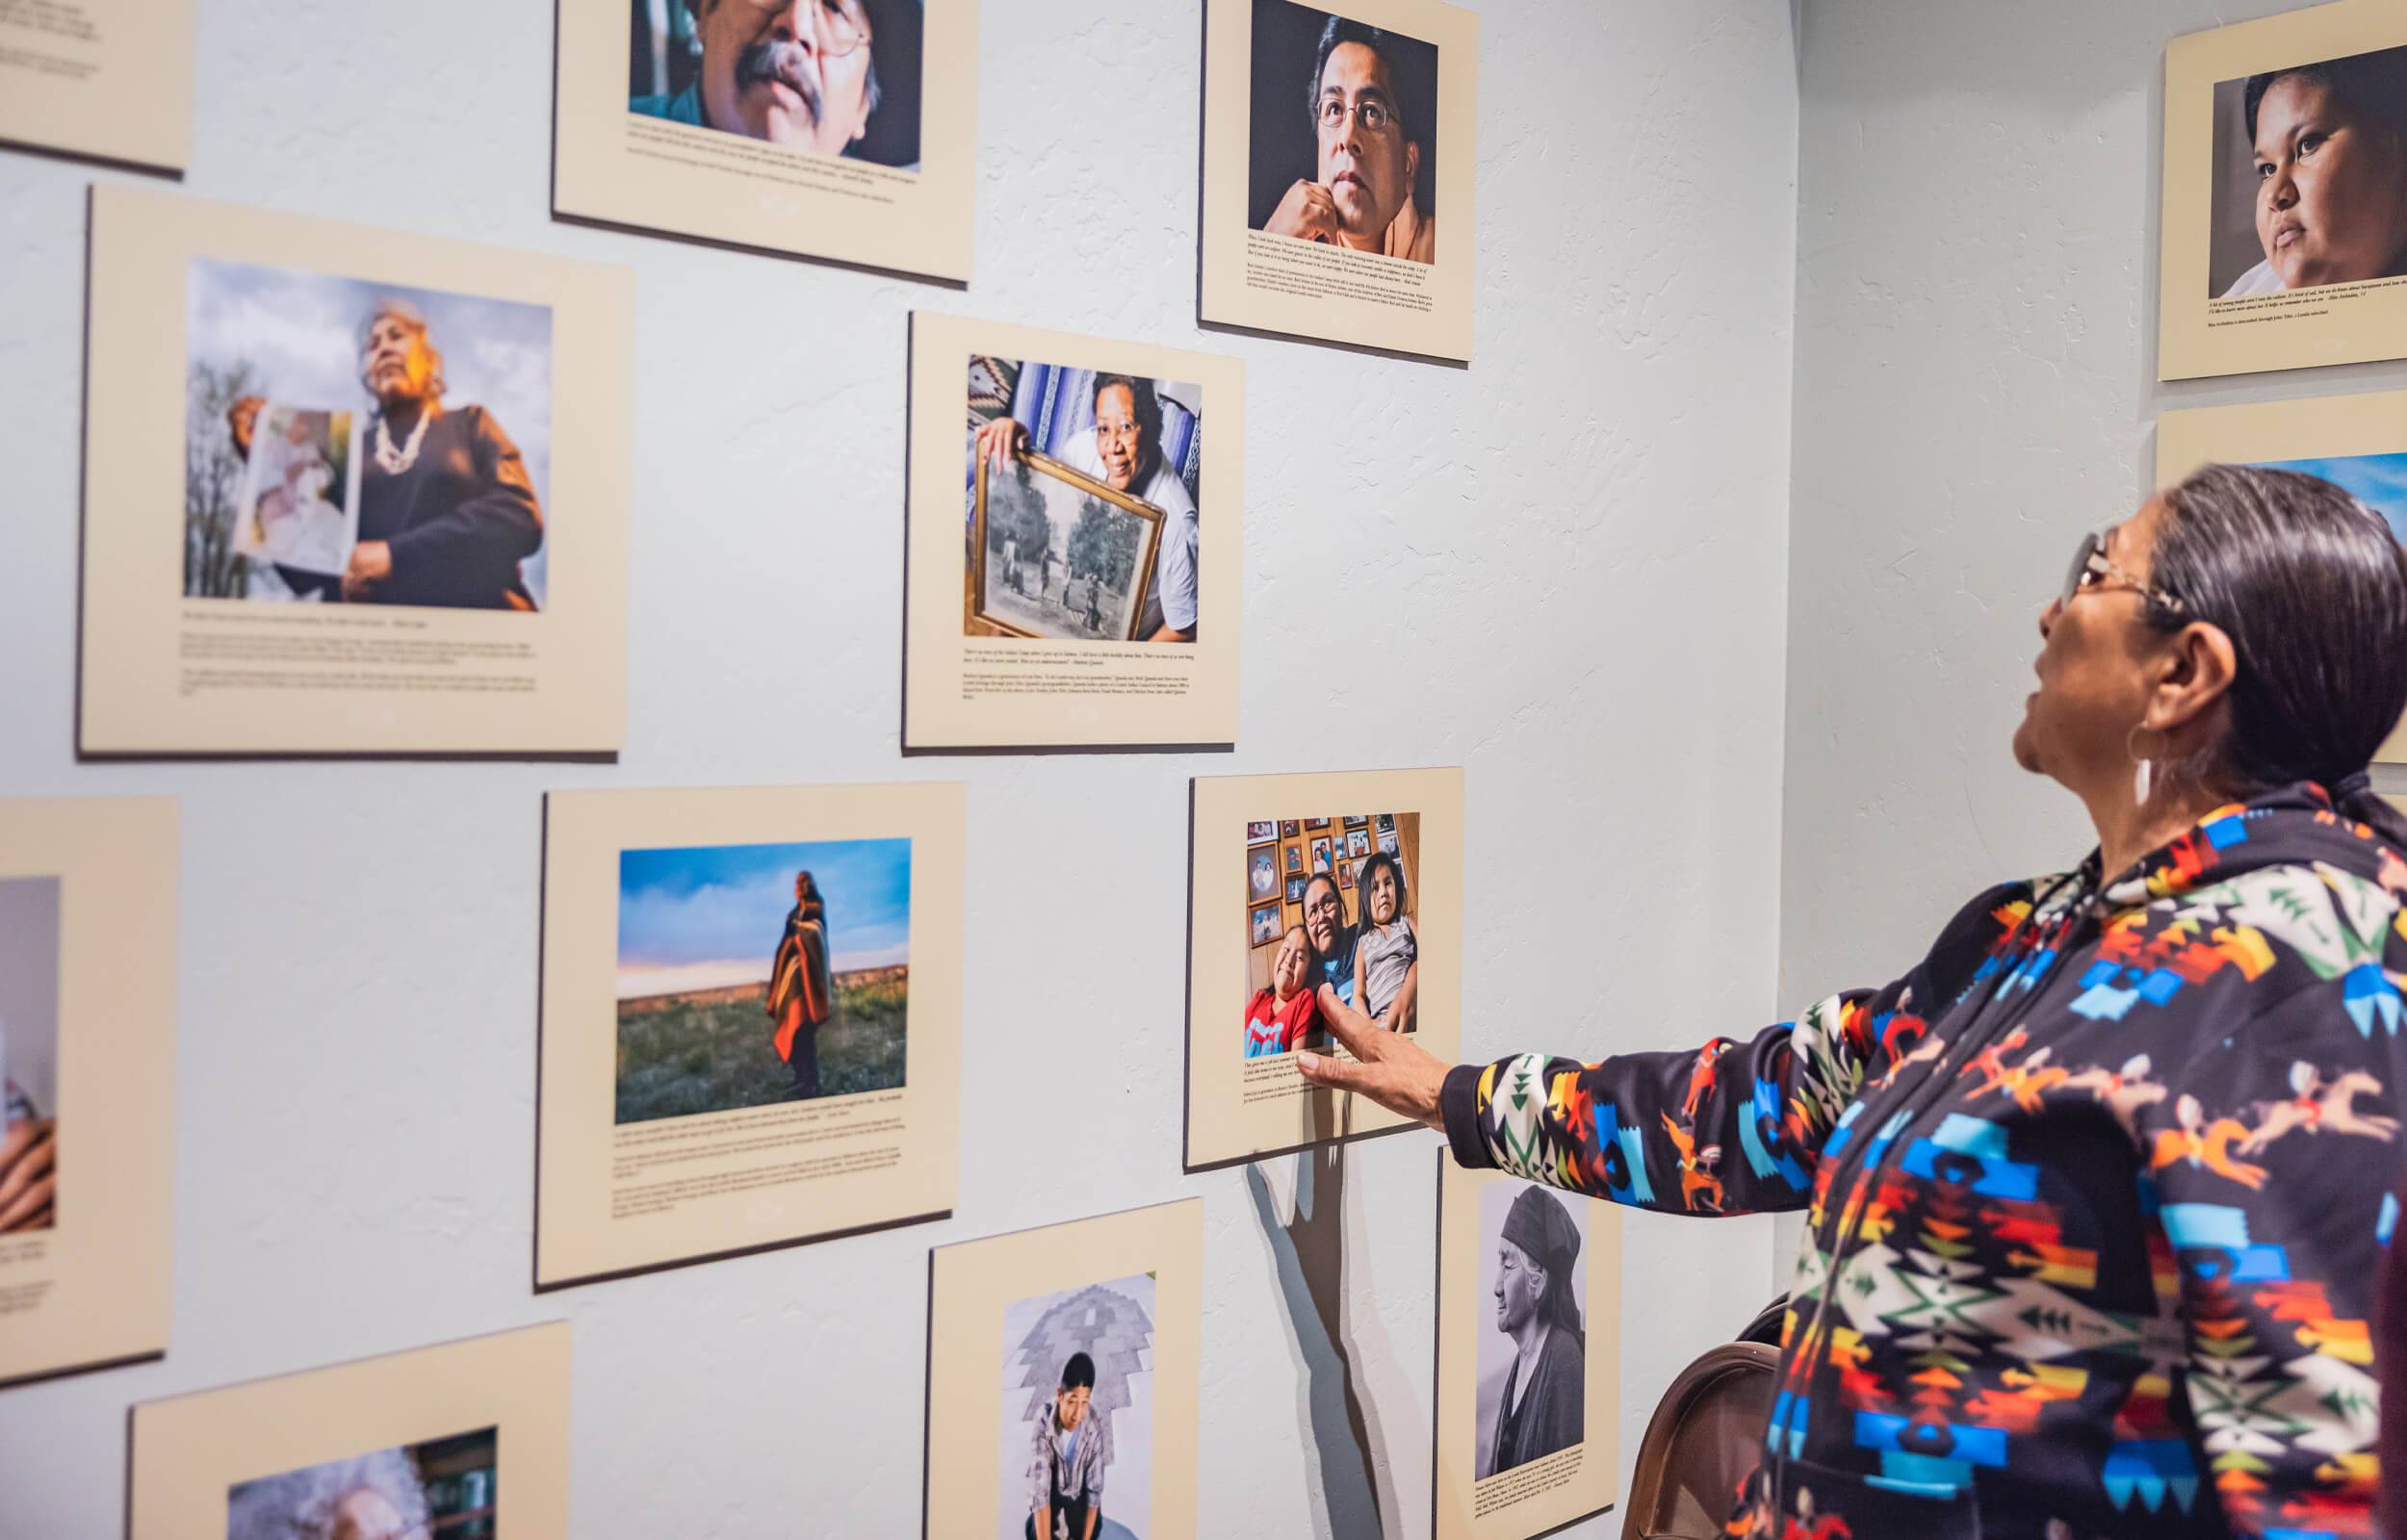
<point>2095,1195</point>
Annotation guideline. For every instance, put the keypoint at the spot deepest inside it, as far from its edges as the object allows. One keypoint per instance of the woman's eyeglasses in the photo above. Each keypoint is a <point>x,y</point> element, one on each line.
<point>2092,571</point>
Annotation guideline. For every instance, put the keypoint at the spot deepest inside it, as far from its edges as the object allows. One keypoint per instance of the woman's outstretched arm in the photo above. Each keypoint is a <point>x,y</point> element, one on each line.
<point>1731,1127</point>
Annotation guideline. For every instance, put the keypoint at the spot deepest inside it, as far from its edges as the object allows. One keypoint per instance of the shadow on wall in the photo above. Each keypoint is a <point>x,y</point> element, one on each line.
<point>1348,1449</point>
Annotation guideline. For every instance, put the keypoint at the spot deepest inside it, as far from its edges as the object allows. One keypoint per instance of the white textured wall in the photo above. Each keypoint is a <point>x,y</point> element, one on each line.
<point>1975,385</point>
<point>1563,568</point>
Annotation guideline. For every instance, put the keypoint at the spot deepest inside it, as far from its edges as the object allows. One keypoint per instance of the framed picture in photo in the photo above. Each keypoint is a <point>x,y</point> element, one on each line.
<point>1261,873</point>
<point>1256,834</point>
<point>1315,823</point>
<point>1108,540</point>
<point>1295,889</point>
<point>1321,861</point>
<point>1357,820</point>
<point>1264,926</point>
<point>1345,874</point>
<point>1295,860</point>
<point>1358,842</point>
<point>1288,829</point>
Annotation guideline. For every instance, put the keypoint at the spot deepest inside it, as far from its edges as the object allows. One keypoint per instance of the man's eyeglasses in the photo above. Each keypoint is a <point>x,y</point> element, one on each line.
<point>2091,570</point>
<point>1375,116</point>
<point>842,27</point>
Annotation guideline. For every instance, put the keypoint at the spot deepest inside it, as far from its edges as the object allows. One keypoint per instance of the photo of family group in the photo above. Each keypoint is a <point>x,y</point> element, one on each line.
<point>1082,493</point>
<point>816,77</point>
<point>1077,1414</point>
<point>754,974</point>
<point>1531,1387</point>
<point>355,443</point>
<point>1331,927</point>
<point>1344,144</point>
<point>440,1489</point>
<point>29,1054</point>
<point>2310,175</point>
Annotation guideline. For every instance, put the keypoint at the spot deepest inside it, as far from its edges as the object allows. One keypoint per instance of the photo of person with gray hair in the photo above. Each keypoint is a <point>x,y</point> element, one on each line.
<point>444,1489</point>
<point>824,77</point>
<point>1533,1372</point>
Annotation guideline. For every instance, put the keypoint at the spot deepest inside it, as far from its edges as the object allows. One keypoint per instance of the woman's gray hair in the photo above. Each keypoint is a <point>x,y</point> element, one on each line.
<point>411,317</point>
<point>299,1505</point>
<point>2310,586</point>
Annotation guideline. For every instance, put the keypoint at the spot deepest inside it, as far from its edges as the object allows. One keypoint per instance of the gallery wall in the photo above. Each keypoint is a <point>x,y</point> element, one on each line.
<point>1975,385</point>
<point>1574,587</point>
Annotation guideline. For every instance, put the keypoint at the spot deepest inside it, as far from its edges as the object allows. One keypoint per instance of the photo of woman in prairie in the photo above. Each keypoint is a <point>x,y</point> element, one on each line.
<point>735,987</point>
<point>802,989</point>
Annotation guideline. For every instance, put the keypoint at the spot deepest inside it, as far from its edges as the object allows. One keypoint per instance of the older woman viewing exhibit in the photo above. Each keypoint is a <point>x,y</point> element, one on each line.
<point>446,509</point>
<point>2330,142</point>
<point>2094,1192</point>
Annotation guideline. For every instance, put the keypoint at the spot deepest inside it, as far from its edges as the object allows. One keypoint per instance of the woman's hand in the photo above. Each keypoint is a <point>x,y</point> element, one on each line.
<point>1002,439</point>
<point>1392,1070</point>
<point>372,562</point>
<point>29,1181</point>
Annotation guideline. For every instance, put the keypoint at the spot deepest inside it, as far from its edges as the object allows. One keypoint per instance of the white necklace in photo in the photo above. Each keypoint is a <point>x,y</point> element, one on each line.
<point>396,461</point>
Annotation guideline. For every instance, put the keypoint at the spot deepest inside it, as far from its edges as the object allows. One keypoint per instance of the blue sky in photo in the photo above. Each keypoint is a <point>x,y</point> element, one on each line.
<point>2379,481</point>
<point>709,916</point>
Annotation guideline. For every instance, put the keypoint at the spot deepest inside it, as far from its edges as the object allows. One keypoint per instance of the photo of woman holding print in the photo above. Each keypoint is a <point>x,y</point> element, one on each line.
<point>2321,156</point>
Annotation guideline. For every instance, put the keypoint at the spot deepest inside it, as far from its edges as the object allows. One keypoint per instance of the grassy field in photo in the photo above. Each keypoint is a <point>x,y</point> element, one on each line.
<point>711,1051</point>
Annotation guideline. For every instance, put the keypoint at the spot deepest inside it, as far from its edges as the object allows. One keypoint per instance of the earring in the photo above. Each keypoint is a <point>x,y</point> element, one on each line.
<point>2143,770</point>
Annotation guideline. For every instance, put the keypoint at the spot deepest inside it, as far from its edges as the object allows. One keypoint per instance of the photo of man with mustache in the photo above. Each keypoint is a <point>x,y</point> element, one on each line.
<point>817,76</point>
<point>1371,102</point>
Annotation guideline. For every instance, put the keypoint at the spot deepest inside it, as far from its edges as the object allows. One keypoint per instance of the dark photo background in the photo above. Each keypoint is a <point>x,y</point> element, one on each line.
<point>662,61</point>
<point>1285,145</point>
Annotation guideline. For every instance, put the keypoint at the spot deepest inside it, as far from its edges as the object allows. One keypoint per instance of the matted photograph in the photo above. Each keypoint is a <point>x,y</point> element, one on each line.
<point>2359,443</point>
<point>29,1054</point>
<point>755,974</point>
<point>1361,945</point>
<point>324,514</point>
<point>1337,139</point>
<point>1373,945</point>
<point>1077,1423</point>
<point>835,129</point>
<point>750,1021</point>
<point>463,1441</point>
<point>357,442</point>
<point>1087,594</point>
<point>438,1489</point>
<point>1343,153</point>
<point>105,81</point>
<point>1082,496</point>
<point>86,1074</point>
<point>2286,193</point>
<point>1528,1307</point>
<point>1062,1380</point>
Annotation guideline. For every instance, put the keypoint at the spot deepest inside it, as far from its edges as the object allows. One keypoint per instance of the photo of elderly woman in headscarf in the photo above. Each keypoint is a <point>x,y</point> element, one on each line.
<point>2311,178</point>
<point>1533,1370</point>
<point>449,500</point>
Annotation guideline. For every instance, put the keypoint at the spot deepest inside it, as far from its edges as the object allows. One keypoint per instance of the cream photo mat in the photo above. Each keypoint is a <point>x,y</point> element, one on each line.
<point>1463,1312</point>
<point>189,1450</point>
<point>125,95</point>
<point>1227,298</point>
<point>971,1283</point>
<point>133,608</point>
<point>2350,323</point>
<point>2261,432</point>
<point>576,1241</point>
<point>104,1265</point>
<point>935,717</point>
<point>789,202</point>
<point>1222,1128</point>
